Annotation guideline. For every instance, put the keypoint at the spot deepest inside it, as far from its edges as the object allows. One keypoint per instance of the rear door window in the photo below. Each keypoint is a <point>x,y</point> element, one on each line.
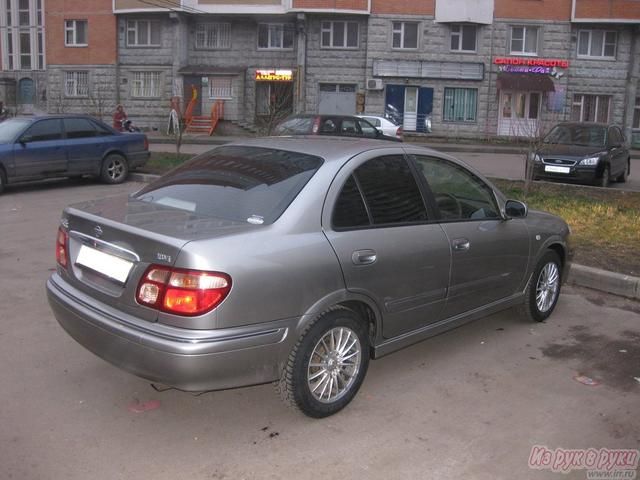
<point>244,184</point>
<point>79,128</point>
<point>382,191</point>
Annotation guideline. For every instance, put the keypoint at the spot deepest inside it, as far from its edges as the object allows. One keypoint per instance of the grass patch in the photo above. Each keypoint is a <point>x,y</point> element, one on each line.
<point>605,223</point>
<point>160,162</point>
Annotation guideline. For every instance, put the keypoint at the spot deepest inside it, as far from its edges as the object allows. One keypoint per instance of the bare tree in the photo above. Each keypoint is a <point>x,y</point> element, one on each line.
<point>280,106</point>
<point>98,101</point>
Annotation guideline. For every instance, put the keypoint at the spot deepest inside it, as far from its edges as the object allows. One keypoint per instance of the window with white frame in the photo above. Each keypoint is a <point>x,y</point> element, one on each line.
<point>597,43</point>
<point>143,33</point>
<point>338,34</point>
<point>76,84</point>
<point>463,38</point>
<point>460,104</point>
<point>220,87</point>
<point>21,35</point>
<point>145,84</point>
<point>590,108</point>
<point>213,35</point>
<point>405,35</point>
<point>275,36</point>
<point>75,33</point>
<point>636,114</point>
<point>524,40</point>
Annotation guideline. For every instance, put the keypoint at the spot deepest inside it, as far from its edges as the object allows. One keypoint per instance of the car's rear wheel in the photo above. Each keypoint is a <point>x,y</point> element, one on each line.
<point>606,176</point>
<point>114,169</point>
<point>327,366</point>
<point>543,290</point>
<point>3,180</point>
<point>623,176</point>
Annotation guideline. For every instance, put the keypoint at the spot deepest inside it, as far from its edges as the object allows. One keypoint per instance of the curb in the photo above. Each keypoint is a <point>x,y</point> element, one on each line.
<point>605,281</point>
<point>579,275</point>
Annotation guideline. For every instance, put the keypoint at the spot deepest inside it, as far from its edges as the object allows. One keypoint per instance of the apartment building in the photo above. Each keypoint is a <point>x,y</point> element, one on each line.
<point>470,68</point>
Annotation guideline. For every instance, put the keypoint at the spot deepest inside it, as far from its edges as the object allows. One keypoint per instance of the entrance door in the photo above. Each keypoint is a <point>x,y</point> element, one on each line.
<point>26,95</point>
<point>519,113</point>
<point>337,99</point>
<point>191,83</point>
<point>410,117</point>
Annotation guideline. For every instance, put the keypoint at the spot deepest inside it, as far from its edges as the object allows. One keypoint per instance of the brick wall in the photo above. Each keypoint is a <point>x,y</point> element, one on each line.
<point>332,4</point>
<point>101,47</point>
<point>534,9</point>
<point>625,9</point>
<point>406,7</point>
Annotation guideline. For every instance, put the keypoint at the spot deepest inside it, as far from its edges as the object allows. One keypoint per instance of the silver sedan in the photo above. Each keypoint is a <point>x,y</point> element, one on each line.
<point>296,261</point>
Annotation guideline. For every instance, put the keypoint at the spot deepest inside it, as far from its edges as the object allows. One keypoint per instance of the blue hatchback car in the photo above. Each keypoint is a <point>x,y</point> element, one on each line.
<point>49,146</point>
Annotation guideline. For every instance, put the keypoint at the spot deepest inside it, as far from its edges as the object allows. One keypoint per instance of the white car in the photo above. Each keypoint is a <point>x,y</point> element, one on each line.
<point>385,125</point>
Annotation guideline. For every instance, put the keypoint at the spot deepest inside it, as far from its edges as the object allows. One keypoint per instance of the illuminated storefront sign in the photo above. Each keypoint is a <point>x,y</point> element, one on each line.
<point>531,62</point>
<point>274,75</point>
<point>525,69</point>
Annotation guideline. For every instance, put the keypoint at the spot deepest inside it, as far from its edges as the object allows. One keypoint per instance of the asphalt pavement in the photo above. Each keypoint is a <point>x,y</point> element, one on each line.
<point>467,404</point>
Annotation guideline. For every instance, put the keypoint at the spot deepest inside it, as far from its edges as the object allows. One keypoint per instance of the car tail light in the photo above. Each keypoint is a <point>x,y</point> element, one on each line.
<point>399,132</point>
<point>62,251</point>
<point>182,292</point>
<point>316,125</point>
<point>146,143</point>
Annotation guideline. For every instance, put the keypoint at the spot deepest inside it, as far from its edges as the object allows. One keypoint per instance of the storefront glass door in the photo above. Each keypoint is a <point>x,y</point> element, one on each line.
<point>519,114</point>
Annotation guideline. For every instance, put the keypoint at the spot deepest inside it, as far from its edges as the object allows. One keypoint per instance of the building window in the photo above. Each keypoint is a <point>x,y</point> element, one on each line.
<point>463,38</point>
<point>76,84</point>
<point>275,36</point>
<point>213,35</point>
<point>460,104</point>
<point>21,35</point>
<point>590,108</point>
<point>524,40</point>
<point>339,34</point>
<point>145,84</point>
<point>220,87</point>
<point>597,43</point>
<point>636,114</point>
<point>143,33</point>
<point>75,33</point>
<point>405,35</point>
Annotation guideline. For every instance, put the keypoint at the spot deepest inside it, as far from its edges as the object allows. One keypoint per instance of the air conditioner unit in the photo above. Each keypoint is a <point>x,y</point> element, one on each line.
<point>375,84</point>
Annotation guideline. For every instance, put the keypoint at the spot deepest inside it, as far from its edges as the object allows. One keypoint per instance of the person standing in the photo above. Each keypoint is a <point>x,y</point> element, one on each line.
<point>119,118</point>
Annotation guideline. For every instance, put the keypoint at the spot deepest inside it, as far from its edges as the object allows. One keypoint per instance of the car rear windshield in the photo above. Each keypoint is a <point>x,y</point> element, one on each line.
<point>586,135</point>
<point>295,126</point>
<point>9,129</point>
<point>243,184</point>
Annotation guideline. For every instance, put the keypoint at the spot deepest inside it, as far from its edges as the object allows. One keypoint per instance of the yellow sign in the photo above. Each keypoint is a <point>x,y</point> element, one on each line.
<point>274,75</point>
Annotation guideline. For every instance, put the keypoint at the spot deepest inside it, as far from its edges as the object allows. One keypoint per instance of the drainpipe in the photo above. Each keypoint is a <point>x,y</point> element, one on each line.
<point>117,60</point>
<point>632,83</point>
<point>301,60</point>
<point>490,83</point>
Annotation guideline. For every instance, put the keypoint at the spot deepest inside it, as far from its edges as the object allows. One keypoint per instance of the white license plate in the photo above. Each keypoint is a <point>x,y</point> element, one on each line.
<point>104,263</point>
<point>551,168</point>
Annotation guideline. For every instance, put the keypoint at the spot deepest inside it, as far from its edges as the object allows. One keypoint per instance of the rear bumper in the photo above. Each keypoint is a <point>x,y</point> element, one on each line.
<point>138,159</point>
<point>191,360</point>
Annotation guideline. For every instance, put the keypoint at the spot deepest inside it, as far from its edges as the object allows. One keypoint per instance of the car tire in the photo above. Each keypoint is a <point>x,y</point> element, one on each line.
<point>606,177</point>
<point>3,180</point>
<point>623,176</point>
<point>543,290</point>
<point>332,353</point>
<point>115,169</point>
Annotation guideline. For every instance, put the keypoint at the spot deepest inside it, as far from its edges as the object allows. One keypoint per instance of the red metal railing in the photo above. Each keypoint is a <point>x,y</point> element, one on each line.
<point>188,112</point>
<point>217,112</point>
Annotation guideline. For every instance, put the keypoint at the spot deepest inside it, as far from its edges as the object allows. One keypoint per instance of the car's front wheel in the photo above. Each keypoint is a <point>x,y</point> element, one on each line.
<point>3,180</point>
<point>328,364</point>
<point>606,176</point>
<point>114,169</point>
<point>543,290</point>
<point>625,174</point>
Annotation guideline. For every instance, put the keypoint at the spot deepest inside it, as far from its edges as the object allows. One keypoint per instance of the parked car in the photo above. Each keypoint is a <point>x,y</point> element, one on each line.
<point>295,261</point>
<point>386,126</point>
<point>47,146</point>
<point>583,152</point>
<point>333,125</point>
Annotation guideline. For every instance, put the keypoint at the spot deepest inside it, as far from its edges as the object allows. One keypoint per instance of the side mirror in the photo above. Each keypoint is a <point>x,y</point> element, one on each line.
<point>515,209</point>
<point>25,139</point>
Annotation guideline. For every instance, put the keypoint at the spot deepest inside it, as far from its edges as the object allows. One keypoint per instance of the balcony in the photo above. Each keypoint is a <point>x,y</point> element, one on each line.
<point>472,11</point>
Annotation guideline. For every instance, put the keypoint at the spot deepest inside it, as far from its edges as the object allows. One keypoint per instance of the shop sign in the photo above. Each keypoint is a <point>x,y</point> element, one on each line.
<point>531,62</point>
<point>274,75</point>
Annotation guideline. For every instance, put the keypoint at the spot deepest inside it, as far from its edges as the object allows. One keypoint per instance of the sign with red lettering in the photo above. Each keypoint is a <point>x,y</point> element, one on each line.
<point>274,75</point>
<point>532,62</point>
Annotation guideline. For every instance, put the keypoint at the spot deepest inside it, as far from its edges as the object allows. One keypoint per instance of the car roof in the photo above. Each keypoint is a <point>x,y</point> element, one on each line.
<point>329,148</point>
<point>586,124</point>
<point>42,116</point>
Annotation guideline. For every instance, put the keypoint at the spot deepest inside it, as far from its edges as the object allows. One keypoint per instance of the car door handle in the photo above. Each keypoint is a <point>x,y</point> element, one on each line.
<point>461,244</point>
<point>364,257</point>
